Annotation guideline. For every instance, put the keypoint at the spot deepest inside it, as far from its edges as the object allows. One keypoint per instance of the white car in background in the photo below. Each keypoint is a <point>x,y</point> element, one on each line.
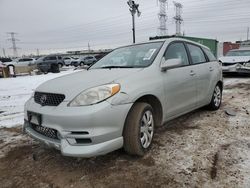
<point>236,61</point>
<point>21,62</point>
<point>67,60</point>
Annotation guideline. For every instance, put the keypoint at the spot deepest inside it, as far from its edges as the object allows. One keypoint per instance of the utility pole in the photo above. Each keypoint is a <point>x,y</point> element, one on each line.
<point>4,54</point>
<point>162,15</point>
<point>178,19</point>
<point>37,52</point>
<point>133,9</point>
<point>88,47</point>
<point>247,33</point>
<point>13,40</point>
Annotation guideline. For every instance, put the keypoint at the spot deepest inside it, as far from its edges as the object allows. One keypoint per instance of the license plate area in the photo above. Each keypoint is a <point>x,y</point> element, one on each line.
<point>34,118</point>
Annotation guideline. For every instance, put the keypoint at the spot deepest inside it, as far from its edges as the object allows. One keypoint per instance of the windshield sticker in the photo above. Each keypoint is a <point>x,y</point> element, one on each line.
<point>149,54</point>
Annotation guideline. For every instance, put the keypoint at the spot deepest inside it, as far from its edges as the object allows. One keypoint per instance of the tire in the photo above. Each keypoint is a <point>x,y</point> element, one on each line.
<point>136,133</point>
<point>215,102</point>
<point>55,68</point>
<point>60,65</point>
<point>81,64</point>
<point>14,75</point>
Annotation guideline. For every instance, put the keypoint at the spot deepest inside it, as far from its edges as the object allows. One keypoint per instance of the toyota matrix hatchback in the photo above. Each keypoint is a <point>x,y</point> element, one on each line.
<point>119,101</point>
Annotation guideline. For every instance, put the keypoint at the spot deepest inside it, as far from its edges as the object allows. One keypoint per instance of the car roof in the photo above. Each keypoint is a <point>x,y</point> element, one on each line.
<point>172,39</point>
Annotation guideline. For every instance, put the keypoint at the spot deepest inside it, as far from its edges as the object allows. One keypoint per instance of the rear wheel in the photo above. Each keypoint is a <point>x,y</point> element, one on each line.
<point>216,99</point>
<point>60,65</point>
<point>55,68</point>
<point>139,129</point>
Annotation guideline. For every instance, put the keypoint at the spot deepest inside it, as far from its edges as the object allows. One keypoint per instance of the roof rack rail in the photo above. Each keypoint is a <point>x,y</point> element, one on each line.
<point>162,37</point>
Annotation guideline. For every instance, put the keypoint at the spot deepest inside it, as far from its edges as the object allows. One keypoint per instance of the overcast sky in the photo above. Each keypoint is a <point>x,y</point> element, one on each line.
<point>58,25</point>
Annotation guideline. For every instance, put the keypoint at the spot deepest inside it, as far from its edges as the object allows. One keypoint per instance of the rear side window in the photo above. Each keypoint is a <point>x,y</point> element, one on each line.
<point>177,51</point>
<point>197,54</point>
<point>210,55</point>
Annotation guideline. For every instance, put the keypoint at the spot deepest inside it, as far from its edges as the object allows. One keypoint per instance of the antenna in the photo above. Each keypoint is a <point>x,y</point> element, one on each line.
<point>162,15</point>
<point>178,19</point>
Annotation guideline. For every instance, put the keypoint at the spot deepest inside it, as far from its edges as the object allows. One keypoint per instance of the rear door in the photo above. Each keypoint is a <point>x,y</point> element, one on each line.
<point>204,72</point>
<point>179,83</point>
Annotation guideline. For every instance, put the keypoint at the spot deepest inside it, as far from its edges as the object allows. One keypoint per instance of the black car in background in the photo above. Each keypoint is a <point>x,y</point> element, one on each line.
<point>50,63</point>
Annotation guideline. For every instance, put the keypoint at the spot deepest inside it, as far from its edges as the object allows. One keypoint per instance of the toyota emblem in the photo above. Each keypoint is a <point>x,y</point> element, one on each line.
<point>43,100</point>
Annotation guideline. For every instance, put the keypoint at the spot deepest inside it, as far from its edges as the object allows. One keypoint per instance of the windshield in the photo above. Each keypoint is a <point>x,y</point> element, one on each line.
<point>239,53</point>
<point>141,55</point>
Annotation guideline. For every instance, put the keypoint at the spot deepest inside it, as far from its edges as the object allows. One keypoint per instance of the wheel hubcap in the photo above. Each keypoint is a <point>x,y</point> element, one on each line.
<point>147,129</point>
<point>217,96</point>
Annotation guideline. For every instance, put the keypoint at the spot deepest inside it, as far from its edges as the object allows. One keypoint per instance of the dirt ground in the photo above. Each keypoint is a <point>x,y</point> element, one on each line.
<point>200,149</point>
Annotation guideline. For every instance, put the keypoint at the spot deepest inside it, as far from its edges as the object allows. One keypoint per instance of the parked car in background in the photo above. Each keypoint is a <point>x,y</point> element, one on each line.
<point>236,61</point>
<point>20,62</point>
<point>5,59</point>
<point>50,63</point>
<point>135,88</point>
<point>75,62</point>
<point>87,60</point>
<point>67,61</point>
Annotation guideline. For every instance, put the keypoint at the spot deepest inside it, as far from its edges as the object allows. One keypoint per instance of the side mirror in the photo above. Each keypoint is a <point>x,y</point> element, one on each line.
<point>170,64</point>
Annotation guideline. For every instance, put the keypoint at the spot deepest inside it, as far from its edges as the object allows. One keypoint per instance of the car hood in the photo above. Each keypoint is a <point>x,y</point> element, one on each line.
<point>234,59</point>
<point>72,84</point>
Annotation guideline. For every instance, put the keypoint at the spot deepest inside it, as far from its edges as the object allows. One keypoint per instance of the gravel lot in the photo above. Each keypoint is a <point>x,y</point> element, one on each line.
<point>200,149</point>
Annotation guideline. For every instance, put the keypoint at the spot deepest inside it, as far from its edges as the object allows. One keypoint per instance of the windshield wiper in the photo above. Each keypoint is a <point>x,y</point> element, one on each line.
<point>114,66</point>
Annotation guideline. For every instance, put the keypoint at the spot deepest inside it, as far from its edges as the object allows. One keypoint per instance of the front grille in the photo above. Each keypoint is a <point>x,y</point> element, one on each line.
<point>48,99</point>
<point>45,131</point>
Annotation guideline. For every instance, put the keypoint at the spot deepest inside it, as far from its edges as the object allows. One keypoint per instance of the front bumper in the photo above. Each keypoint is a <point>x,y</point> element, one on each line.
<point>100,124</point>
<point>236,68</point>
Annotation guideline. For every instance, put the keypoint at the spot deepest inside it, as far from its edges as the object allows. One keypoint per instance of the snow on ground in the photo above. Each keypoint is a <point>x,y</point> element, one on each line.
<point>200,149</point>
<point>14,92</point>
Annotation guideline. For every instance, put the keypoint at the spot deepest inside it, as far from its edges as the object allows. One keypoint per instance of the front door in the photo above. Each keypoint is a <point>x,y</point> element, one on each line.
<point>179,83</point>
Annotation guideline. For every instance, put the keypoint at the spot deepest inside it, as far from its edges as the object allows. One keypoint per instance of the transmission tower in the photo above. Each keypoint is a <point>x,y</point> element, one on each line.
<point>13,40</point>
<point>178,19</point>
<point>163,17</point>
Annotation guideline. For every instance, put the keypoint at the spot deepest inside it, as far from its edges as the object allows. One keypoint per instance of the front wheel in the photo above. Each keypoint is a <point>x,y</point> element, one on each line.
<point>216,99</point>
<point>139,129</point>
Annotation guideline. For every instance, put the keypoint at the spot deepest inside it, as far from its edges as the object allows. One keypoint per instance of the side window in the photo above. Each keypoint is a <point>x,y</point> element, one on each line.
<point>197,54</point>
<point>51,58</point>
<point>210,55</point>
<point>177,51</point>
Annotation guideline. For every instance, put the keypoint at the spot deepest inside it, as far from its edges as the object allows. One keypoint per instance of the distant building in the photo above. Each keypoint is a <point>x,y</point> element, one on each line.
<point>227,46</point>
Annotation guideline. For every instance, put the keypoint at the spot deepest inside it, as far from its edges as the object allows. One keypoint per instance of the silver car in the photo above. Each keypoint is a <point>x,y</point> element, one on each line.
<point>236,61</point>
<point>121,99</point>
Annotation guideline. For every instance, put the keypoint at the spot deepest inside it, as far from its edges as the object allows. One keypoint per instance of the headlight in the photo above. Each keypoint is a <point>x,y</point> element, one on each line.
<point>95,95</point>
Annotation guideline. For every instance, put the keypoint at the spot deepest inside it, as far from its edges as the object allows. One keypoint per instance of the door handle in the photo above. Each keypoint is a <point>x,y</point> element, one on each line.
<point>211,69</point>
<point>192,73</point>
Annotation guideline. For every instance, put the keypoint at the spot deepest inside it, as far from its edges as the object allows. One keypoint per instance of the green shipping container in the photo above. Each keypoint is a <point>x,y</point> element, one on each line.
<point>210,43</point>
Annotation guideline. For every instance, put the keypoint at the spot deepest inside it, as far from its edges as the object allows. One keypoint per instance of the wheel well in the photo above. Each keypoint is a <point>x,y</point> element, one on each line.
<point>156,105</point>
<point>220,83</point>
